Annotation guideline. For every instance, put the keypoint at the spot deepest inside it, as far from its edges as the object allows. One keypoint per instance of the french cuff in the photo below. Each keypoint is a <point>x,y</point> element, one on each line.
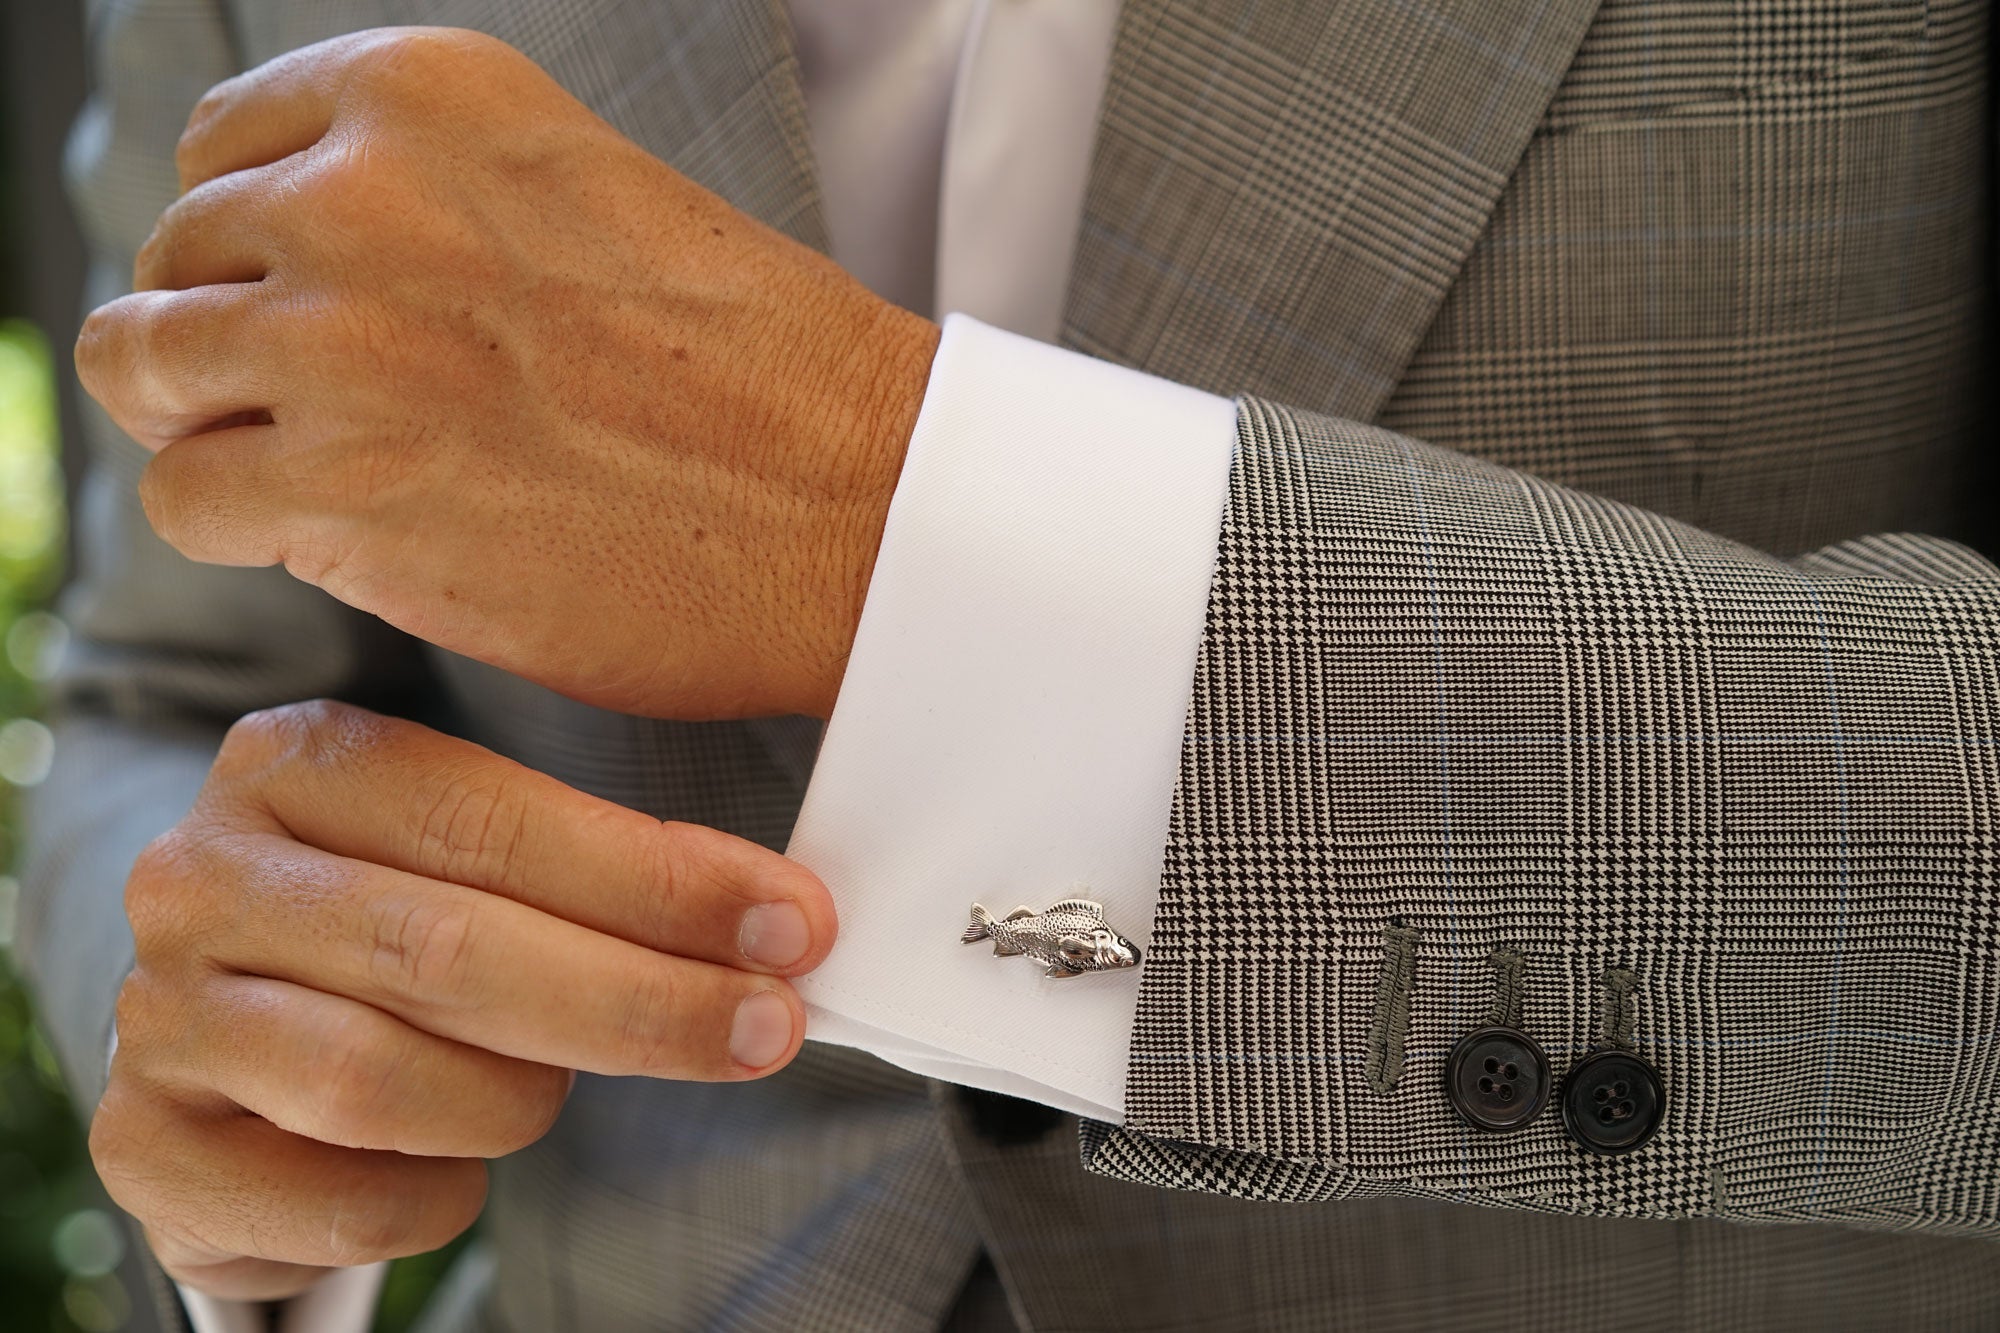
<point>341,1302</point>
<point>1009,728</point>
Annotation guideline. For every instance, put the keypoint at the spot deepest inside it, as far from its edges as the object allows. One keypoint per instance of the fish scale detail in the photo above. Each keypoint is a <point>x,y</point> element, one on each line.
<point>1072,937</point>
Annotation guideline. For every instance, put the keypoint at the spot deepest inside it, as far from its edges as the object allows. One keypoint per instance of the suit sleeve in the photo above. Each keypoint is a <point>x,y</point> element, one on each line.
<point>1462,740</point>
<point>165,653</point>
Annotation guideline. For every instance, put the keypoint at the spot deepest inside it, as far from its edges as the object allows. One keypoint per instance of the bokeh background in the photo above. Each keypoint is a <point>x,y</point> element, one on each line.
<point>67,1260</point>
<point>64,1261</point>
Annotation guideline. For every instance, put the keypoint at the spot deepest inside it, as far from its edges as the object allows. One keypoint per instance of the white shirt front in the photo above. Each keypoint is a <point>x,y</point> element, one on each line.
<point>1009,727</point>
<point>953,139</point>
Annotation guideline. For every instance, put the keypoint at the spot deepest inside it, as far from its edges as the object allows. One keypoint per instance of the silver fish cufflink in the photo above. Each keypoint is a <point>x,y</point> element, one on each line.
<point>1070,937</point>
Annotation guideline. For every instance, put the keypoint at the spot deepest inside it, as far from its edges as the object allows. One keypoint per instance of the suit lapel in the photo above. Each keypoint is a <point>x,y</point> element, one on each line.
<point>1281,193</point>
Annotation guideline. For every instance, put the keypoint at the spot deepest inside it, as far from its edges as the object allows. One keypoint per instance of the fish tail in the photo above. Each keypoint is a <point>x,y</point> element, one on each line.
<point>981,927</point>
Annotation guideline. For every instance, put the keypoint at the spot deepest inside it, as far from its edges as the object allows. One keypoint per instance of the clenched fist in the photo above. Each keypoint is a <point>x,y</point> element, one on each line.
<point>432,335</point>
<point>372,954</point>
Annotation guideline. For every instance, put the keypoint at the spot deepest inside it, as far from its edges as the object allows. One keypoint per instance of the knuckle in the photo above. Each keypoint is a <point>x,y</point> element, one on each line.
<point>316,555</point>
<point>422,944</point>
<point>355,1078</point>
<point>165,498</point>
<point>111,1143</point>
<point>188,147</point>
<point>100,344</point>
<point>155,254</point>
<point>165,333</point>
<point>156,889</point>
<point>472,830</point>
<point>661,868</point>
<point>309,561</point>
<point>154,870</point>
<point>327,731</point>
<point>340,184</point>
<point>208,107</point>
<point>256,743</point>
<point>313,731</point>
<point>649,1030</point>
<point>368,180</point>
<point>253,741</point>
<point>128,334</point>
<point>786,878</point>
<point>130,1010</point>
<point>89,350</point>
<point>535,1103</point>
<point>364,1228</point>
<point>127,1133</point>
<point>409,59</point>
<point>159,326</point>
<point>543,1104</point>
<point>313,726</point>
<point>133,1012</point>
<point>436,1205</point>
<point>203,208</point>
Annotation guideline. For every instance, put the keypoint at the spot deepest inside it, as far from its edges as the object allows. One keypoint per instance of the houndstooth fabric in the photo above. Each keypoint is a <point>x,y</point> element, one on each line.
<point>1710,263</point>
<point>1502,713</point>
<point>1439,693</point>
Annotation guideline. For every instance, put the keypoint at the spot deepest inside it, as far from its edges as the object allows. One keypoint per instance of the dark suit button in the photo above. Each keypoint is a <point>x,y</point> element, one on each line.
<point>1612,1103</point>
<point>1497,1079</point>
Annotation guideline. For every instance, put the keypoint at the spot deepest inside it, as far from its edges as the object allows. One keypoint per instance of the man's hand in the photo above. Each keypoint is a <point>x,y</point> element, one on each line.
<point>370,957</point>
<point>429,333</point>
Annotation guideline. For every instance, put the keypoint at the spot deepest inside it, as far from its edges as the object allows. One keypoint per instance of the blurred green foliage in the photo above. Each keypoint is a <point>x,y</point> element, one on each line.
<point>58,1245</point>
<point>59,1242</point>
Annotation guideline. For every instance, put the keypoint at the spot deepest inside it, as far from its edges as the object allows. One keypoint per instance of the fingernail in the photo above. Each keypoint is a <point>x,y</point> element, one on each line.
<point>775,934</point>
<point>762,1031</point>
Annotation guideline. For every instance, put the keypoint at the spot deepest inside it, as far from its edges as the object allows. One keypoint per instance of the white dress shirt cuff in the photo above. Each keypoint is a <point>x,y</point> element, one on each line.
<point>1009,727</point>
<point>341,1302</point>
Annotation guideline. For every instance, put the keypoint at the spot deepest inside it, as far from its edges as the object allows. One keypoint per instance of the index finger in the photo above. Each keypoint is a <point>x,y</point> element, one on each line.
<point>399,795</point>
<point>283,106</point>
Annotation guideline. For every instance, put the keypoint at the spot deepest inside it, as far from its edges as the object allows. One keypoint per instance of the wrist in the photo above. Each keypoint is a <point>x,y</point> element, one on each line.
<point>890,370</point>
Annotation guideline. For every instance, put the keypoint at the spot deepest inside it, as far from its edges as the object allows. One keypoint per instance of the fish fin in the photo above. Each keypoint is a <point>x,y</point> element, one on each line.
<point>1020,914</point>
<point>1058,971</point>
<point>1078,905</point>
<point>981,927</point>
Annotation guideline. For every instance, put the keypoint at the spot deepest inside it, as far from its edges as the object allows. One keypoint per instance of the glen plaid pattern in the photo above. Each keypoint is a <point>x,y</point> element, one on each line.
<point>1718,260</point>
<point>1505,713</point>
<point>1721,260</point>
<point>1608,772</point>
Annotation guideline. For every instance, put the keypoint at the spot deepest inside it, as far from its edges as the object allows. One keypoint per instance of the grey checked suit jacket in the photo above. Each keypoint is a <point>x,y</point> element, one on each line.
<point>1580,348</point>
